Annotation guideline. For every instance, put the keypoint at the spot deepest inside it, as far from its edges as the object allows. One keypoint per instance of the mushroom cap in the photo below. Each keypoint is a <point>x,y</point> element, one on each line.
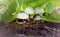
<point>29,10</point>
<point>39,10</point>
<point>37,17</point>
<point>57,9</point>
<point>22,15</point>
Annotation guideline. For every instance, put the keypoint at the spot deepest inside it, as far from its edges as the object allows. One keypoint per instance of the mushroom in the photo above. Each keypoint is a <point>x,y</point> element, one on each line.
<point>37,21</point>
<point>37,17</point>
<point>57,9</point>
<point>29,10</point>
<point>22,16</point>
<point>39,10</point>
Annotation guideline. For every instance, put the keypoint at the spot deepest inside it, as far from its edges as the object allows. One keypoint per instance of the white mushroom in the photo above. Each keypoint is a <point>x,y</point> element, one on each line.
<point>37,17</point>
<point>39,10</point>
<point>29,10</point>
<point>57,9</point>
<point>22,15</point>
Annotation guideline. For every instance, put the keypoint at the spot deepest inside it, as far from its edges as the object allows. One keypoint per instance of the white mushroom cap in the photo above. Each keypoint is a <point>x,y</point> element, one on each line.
<point>22,15</point>
<point>37,17</point>
<point>29,10</point>
<point>39,10</point>
<point>57,9</point>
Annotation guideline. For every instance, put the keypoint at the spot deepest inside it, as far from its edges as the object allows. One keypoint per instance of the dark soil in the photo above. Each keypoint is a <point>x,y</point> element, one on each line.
<point>6,30</point>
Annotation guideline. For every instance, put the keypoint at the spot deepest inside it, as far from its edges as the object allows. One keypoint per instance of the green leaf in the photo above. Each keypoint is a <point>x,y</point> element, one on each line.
<point>7,17</point>
<point>53,17</point>
<point>55,3</point>
<point>50,15</point>
<point>16,6</point>
<point>32,3</point>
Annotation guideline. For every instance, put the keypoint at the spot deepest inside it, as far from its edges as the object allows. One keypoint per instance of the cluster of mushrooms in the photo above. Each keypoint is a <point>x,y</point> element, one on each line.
<point>30,17</point>
<point>27,19</point>
<point>27,15</point>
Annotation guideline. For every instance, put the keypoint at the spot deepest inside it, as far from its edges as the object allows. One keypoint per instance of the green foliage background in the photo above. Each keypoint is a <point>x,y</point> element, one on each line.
<point>15,6</point>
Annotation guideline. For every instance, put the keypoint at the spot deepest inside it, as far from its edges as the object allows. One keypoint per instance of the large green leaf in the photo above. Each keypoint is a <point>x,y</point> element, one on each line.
<point>55,3</point>
<point>53,17</point>
<point>7,16</point>
<point>32,3</point>
<point>50,15</point>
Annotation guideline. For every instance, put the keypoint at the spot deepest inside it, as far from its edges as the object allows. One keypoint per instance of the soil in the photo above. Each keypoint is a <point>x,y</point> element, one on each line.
<point>6,30</point>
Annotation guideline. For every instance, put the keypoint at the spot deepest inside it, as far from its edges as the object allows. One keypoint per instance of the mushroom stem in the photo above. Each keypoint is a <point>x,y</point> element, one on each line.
<point>37,24</point>
<point>23,25</point>
<point>30,23</point>
<point>16,20</point>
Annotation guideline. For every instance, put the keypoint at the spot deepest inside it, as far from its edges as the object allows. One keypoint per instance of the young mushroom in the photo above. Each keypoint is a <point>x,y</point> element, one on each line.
<point>39,10</point>
<point>37,17</point>
<point>23,16</point>
<point>37,21</point>
<point>29,11</point>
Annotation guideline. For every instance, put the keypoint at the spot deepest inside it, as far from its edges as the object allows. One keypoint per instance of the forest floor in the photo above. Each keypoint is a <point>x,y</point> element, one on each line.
<point>13,33</point>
